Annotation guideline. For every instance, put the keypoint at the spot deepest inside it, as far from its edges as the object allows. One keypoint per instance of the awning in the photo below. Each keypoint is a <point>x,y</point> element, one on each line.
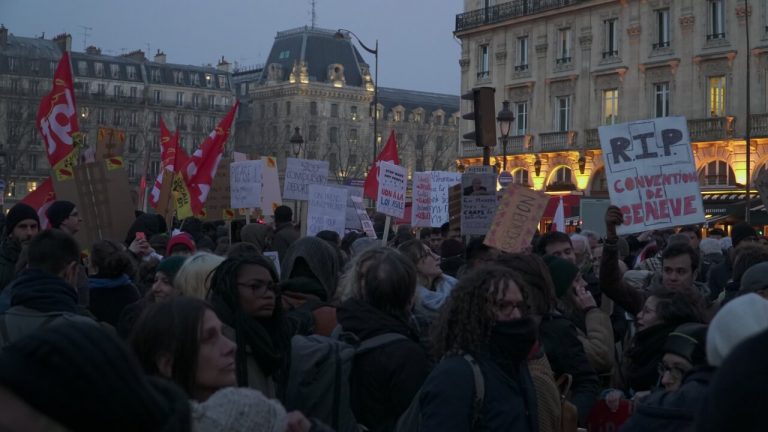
<point>571,206</point>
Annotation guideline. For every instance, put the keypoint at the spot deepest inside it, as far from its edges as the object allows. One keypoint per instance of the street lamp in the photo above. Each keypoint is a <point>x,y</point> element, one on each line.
<point>505,119</point>
<point>297,141</point>
<point>340,34</point>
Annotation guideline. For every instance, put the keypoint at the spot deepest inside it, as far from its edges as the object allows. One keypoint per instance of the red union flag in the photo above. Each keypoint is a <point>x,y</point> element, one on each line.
<point>388,154</point>
<point>40,199</point>
<point>57,121</point>
<point>201,168</point>
<point>171,155</point>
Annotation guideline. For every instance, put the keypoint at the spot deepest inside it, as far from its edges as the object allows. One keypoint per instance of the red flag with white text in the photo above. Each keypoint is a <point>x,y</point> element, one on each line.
<point>57,121</point>
<point>388,154</point>
<point>40,199</point>
<point>171,156</point>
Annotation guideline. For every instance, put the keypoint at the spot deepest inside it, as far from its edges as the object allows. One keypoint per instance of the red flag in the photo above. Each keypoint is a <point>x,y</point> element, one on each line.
<point>40,199</point>
<point>201,168</point>
<point>57,120</point>
<point>171,156</point>
<point>388,154</point>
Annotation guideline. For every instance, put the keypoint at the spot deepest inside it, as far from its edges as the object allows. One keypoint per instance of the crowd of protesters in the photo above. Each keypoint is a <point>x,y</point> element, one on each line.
<point>199,328</point>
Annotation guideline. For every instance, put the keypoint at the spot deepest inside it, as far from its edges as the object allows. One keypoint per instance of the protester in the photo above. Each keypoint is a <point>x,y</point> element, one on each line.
<point>737,321</point>
<point>362,244</point>
<point>742,234</point>
<point>111,289</point>
<point>384,379</point>
<point>432,237</point>
<point>181,244</point>
<point>149,224</point>
<point>44,293</point>
<point>313,258</point>
<point>483,325</point>
<point>452,257</point>
<point>478,253</point>
<point>259,235</point>
<point>63,215</point>
<point>242,249</point>
<point>557,244</point>
<point>755,280</point>
<point>743,258</point>
<point>285,232</point>
<point>21,224</point>
<point>81,378</point>
<point>194,276</point>
<point>582,253</point>
<point>711,256</point>
<point>434,286</point>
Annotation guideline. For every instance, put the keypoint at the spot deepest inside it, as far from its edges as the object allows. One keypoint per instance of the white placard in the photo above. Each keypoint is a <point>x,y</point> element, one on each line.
<point>441,182</point>
<point>421,212</point>
<point>299,174</point>
<point>352,221</point>
<point>327,209</point>
<point>245,183</point>
<point>365,221</point>
<point>392,185</point>
<point>651,174</point>
<point>270,187</point>
<point>478,202</point>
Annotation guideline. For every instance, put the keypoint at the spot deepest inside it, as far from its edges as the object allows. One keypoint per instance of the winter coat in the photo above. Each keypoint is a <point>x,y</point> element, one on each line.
<point>285,235</point>
<point>598,340</point>
<point>671,411</point>
<point>448,396</point>
<point>10,250</point>
<point>566,354</point>
<point>257,379</point>
<point>718,278</point>
<point>383,381</point>
<point>110,296</point>
<point>639,368</point>
<point>707,263</point>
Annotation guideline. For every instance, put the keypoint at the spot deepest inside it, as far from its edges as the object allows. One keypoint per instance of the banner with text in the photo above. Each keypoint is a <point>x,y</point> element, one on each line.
<point>392,185</point>
<point>516,219</point>
<point>327,209</point>
<point>365,221</point>
<point>478,202</point>
<point>652,174</point>
<point>299,174</point>
<point>245,184</point>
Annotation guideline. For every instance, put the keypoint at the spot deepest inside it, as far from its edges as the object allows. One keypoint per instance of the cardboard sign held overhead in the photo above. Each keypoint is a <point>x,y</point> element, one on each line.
<point>516,219</point>
<point>110,142</point>
<point>365,221</point>
<point>218,205</point>
<point>421,213</point>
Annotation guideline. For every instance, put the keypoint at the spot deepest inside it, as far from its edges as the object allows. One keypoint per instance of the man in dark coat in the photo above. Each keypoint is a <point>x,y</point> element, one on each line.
<point>719,275</point>
<point>285,232</point>
<point>21,224</point>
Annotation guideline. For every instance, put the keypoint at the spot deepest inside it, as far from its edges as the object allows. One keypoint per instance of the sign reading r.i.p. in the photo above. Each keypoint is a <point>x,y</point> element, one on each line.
<point>651,173</point>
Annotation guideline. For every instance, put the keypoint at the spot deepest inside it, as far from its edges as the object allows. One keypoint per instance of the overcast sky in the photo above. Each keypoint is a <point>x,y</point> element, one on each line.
<point>417,50</point>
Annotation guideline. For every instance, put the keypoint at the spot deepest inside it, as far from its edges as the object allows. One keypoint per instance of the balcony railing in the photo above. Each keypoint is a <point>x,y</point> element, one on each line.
<point>506,11</point>
<point>469,149</point>
<point>711,129</point>
<point>518,144</point>
<point>520,68</point>
<point>483,74</point>
<point>715,36</point>
<point>563,60</point>
<point>592,138</point>
<point>664,44</point>
<point>555,141</point>
<point>610,54</point>
<point>759,127</point>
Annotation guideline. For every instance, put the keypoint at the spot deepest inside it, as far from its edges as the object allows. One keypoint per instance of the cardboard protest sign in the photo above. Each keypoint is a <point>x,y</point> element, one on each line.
<point>299,174</point>
<point>651,174</point>
<point>392,186</point>
<point>352,221</point>
<point>516,219</point>
<point>478,202</point>
<point>421,214</point>
<point>245,184</point>
<point>218,206</point>
<point>327,209</point>
<point>270,187</point>
<point>365,221</point>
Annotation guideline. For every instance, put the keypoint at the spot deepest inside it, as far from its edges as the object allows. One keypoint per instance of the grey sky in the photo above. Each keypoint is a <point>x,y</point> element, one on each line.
<point>416,44</point>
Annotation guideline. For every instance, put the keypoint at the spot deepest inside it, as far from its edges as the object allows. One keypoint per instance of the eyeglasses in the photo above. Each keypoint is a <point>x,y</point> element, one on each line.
<point>675,371</point>
<point>259,287</point>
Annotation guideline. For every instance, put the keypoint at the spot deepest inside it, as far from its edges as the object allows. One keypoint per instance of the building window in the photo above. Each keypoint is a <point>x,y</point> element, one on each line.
<point>195,100</point>
<point>131,169</point>
<point>82,68</point>
<point>155,144</point>
<point>353,136</point>
<point>661,99</point>
<point>662,28</point>
<point>134,118</point>
<point>521,118</point>
<point>33,162</point>
<point>610,106</point>
<point>312,133</point>
<point>178,77</point>
<point>195,79</point>
<point>398,115</point>
<point>131,71</point>
<point>197,123</point>
<point>333,135</point>
<point>211,101</point>
<point>313,108</point>
<point>717,173</point>
<point>155,75</point>
<point>563,118</point>
<point>483,63</point>
<point>101,89</point>
<point>334,110</point>
<point>134,92</point>
<point>132,148</point>
<point>418,117</point>
<point>158,96</point>
<point>611,38</point>
<point>520,176</point>
<point>117,116</point>
<point>716,20</point>
<point>522,54</point>
<point>717,96</point>
<point>564,46</point>
<point>102,116</point>
<point>115,70</point>
<point>287,108</point>
<point>155,118</point>
<point>211,123</point>
<point>222,82</point>
<point>179,98</point>
<point>208,80</point>
<point>561,177</point>
<point>118,91</point>
<point>353,113</point>
<point>154,168</point>
<point>98,69</point>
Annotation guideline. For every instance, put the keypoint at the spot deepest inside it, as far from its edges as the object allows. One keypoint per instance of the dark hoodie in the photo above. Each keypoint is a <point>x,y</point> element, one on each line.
<point>109,296</point>
<point>385,380</point>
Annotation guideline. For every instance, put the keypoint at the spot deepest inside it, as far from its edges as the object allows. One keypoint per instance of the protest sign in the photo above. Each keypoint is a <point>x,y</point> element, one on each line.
<point>327,209</point>
<point>352,221</point>
<point>245,184</point>
<point>270,187</point>
<point>454,208</point>
<point>365,221</point>
<point>392,186</point>
<point>441,183</point>
<point>651,174</point>
<point>421,214</point>
<point>516,219</point>
<point>592,214</point>
<point>299,174</point>
<point>478,203</point>
<point>272,256</point>
<point>218,206</point>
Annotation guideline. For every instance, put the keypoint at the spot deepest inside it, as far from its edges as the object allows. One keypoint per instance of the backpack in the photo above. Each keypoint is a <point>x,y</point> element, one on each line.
<point>410,421</point>
<point>318,376</point>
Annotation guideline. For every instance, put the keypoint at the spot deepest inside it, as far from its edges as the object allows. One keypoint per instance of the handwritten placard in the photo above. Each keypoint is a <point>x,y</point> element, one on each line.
<point>392,185</point>
<point>299,174</point>
<point>421,214</point>
<point>516,218</point>
<point>365,221</point>
<point>478,202</point>
<point>245,183</point>
<point>327,209</point>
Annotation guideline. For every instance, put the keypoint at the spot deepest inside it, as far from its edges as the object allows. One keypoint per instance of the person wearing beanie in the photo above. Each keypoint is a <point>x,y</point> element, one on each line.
<point>238,410</point>
<point>21,224</point>
<point>755,280</point>
<point>180,244</point>
<point>737,321</point>
<point>575,302</point>
<point>63,215</point>
<point>85,380</point>
<point>685,375</point>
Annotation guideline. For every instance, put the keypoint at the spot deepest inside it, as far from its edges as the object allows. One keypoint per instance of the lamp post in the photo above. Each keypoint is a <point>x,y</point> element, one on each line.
<point>297,142</point>
<point>505,119</point>
<point>340,34</point>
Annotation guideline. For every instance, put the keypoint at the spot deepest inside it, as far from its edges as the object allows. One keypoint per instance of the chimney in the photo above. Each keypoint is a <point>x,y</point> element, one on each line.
<point>64,41</point>
<point>92,50</point>
<point>160,57</point>
<point>3,36</point>
<point>137,55</point>
<point>223,66</point>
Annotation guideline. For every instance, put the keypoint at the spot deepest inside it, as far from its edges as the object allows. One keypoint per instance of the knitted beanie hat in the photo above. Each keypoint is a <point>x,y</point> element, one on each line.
<point>238,409</point>
<point>740,319</point>
<point>181,239</point>
<point>58,212</point>
<point>18,213</point>
<point>86,380</point>
<point>563,273</point>
<point>741,231</point>
<point>687,341</point>
<point>170,266</point>
<point>755,278</point>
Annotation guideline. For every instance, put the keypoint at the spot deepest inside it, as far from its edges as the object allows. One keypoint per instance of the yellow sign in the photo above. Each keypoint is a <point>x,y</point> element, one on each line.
<point>181,197</point>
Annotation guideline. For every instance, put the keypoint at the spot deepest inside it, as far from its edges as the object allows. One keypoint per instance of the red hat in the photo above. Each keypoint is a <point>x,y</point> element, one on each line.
<point>180,239</point>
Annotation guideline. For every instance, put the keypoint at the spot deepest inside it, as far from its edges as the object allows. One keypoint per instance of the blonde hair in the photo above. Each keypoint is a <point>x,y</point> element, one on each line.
<point>194,277</point>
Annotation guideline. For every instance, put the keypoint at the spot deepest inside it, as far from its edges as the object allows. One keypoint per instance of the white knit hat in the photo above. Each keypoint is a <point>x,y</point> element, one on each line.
<point>737,321</point>
<point>237,409</point>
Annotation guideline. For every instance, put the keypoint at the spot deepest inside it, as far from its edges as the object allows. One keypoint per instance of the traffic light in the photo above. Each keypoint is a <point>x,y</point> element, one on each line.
<point>484,116</point>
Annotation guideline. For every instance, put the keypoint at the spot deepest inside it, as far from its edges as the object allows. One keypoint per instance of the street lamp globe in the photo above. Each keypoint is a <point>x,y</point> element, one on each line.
<point>505,117</point>
<point>296,142</point>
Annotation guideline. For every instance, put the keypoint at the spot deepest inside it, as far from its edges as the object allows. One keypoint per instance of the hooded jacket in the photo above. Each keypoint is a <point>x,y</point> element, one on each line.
<point>285,235</point>
<point>109,296</point>
<point>313,258</point>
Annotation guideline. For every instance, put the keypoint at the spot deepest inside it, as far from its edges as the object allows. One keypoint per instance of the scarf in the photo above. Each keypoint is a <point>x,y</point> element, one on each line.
<point>99,282</point>
<point>511,342</point>
<point>44,292</point>
<point>643,355</point>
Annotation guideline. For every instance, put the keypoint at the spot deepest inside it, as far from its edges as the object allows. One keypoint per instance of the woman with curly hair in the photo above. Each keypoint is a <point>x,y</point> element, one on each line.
<point>485,317</point>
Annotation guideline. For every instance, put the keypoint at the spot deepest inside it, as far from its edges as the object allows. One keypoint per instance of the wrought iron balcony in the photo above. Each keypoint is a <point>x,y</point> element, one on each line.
<point>711,129</point>
<point>508,10</point>
<point>522,67</point>
<point>715,36</point>
<point>592,138</point>
<point>469,149</point>
<point>759,125</point>
<point>518,144</point>
<point>556,141</point>
<point>664,44</point>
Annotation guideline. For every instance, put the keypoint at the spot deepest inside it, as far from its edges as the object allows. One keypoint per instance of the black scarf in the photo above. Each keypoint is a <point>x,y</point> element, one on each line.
<point>643,356</point>
<point>44,292</point>
<point>511,342</point>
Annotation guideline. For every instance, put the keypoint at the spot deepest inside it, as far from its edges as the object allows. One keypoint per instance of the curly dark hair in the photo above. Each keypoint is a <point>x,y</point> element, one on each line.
<point>679,306</point>
<point>468,316</point>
